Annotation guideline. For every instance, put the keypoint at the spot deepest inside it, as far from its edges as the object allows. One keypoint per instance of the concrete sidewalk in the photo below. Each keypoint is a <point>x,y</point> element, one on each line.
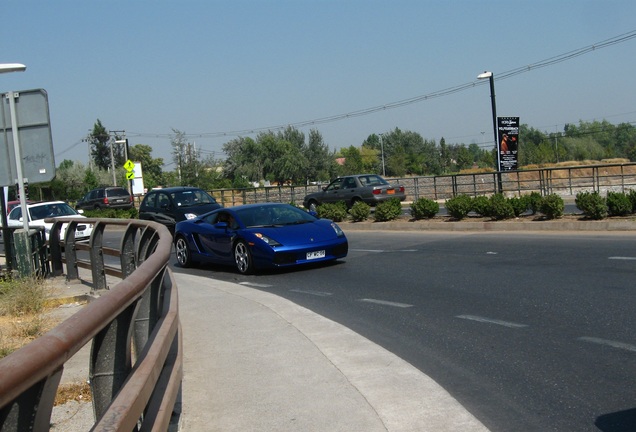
<point>254,361</point>
<point>257,362</point>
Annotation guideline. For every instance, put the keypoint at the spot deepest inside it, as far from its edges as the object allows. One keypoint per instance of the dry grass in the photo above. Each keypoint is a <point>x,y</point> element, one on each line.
<point>22,313</point>
<point>23,318</point>
<point>79,392</point>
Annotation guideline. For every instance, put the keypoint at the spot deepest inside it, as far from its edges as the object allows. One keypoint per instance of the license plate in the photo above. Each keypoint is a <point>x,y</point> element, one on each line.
<point>316,254</point>
<point>79,233</point>
<point>390,191</point>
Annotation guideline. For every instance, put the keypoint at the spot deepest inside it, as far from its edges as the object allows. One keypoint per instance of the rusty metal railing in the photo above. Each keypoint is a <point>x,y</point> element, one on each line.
<point>136,361</point>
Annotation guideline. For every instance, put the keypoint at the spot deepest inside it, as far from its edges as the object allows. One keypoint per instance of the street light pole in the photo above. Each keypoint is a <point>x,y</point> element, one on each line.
<point>12,67</point>
<point>491,78</point>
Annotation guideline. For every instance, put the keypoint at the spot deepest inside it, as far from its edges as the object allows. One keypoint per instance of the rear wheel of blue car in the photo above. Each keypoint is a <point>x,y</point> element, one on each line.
<point>243,258</point>
<point>183,253</point>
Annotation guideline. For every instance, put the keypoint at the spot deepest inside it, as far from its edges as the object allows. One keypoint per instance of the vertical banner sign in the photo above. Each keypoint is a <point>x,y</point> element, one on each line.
<point>508,145</point>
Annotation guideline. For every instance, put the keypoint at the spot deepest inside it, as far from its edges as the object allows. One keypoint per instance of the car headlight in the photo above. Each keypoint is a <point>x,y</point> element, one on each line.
<point>190,215</point>
<point>337,229</point>
<point>269,241</point>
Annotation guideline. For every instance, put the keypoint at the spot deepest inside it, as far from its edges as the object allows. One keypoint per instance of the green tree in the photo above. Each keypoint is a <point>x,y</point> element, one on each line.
<point>353,161</point>
<point>464,158</point>
<point>186,158</point>
<point>99,140</point>
<point>245,160</point>
<point>321,160</point>
<point>70,181</point>
<point>152,168</point>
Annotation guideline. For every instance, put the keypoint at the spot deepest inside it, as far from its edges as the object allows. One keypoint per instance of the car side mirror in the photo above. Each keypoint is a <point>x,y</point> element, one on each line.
<point>221,225</point>
<point>80,211</point>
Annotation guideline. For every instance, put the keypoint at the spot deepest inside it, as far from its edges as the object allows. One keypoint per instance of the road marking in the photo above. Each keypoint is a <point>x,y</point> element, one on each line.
<point>622,258</point>
<point>382,250</point>
<point>316,293</point>
<point>613,344</point>
<point>387,303</point>
<point>491,321</point>
<point>257,285</point>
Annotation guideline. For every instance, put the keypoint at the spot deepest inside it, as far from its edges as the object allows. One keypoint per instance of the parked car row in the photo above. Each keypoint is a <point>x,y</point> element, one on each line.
<point>249,237</point>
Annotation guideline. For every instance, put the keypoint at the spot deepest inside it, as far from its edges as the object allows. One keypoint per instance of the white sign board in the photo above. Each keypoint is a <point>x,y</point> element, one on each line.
<point>138,181</point>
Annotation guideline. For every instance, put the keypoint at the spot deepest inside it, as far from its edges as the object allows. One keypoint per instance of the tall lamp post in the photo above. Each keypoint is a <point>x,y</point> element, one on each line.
<point>12,67</point>
<point>490,76</point>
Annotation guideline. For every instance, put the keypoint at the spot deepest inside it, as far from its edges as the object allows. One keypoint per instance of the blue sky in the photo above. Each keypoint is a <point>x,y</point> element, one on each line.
<point>209,67</point>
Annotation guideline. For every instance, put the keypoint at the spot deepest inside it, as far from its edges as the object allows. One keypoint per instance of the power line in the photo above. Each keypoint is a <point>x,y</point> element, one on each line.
<point>397,104</point>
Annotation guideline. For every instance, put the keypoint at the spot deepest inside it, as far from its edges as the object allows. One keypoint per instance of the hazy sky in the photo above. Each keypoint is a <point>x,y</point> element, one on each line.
<point>213,67</point>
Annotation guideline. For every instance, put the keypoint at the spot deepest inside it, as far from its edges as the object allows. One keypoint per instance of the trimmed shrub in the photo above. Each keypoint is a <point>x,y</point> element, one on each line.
<point>424,208</point>
<point>519,205</point>
<point>360,211</point>
<point>482,206</point>
<point>388,210</point>
<point>459,206</point>
<point>111,213</point>
<point>618,204</point>
<point>337,211</point>
<point>552,206</point>
<point>593,205</point>
<point>534,201</point>
<point>500,207</point>
<point>632,198</point>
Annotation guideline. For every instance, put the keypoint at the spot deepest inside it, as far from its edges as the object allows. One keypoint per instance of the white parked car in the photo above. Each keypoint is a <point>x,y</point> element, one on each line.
<point>50,209</point>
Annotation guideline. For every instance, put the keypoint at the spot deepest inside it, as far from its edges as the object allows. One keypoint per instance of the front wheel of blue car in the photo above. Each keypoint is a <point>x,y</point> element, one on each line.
<point>243,258</point>
<point>183,253</point>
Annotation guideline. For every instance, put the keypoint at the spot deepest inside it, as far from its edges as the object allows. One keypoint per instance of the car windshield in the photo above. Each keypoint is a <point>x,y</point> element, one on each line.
<point>190,198</point>
<point>278,215</point>
<point>51,210</point>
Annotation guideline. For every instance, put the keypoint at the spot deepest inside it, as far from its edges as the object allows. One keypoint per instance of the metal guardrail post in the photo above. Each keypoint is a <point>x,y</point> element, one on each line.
<point>23,258</point>
<point>128,258</point>
<point>97,257</point>
<point>111,361</point>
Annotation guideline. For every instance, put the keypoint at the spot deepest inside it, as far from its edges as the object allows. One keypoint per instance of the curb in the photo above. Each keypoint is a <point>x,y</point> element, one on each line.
<point>511,225</point>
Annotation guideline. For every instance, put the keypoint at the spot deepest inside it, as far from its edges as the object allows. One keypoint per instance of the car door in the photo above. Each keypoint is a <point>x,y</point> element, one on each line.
<point>158,207</point>
<point>348,189</point>
<point>333,192</point>
<point>217,240</point>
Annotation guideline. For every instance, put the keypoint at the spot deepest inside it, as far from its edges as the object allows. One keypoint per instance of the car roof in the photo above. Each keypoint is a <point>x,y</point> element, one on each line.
<point>176,189</point>
<point>255,205</point>
<point>37,204</point>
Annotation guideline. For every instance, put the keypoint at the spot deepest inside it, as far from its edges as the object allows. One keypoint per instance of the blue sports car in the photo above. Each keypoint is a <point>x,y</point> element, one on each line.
<point>256,236</point>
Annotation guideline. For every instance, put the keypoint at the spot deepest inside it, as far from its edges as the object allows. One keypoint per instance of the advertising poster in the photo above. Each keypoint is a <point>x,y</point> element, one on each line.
<point>508,145</point>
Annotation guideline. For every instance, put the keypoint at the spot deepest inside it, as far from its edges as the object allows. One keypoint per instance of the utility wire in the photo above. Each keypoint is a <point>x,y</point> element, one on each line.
<point>434,95</point>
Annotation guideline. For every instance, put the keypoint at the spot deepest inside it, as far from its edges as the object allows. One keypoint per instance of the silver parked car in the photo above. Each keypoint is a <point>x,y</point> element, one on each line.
<point>368,188</point>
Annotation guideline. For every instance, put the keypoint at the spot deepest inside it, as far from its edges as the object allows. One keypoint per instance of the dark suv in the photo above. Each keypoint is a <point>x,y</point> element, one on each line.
<point>106,197</point>
<point>175,204</point>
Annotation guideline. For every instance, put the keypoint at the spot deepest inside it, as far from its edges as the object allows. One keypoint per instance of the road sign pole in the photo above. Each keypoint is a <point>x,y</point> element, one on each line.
<point>18,164</point>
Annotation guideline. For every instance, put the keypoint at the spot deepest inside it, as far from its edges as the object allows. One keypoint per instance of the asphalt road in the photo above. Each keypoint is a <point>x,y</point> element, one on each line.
<point>528,331</point>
